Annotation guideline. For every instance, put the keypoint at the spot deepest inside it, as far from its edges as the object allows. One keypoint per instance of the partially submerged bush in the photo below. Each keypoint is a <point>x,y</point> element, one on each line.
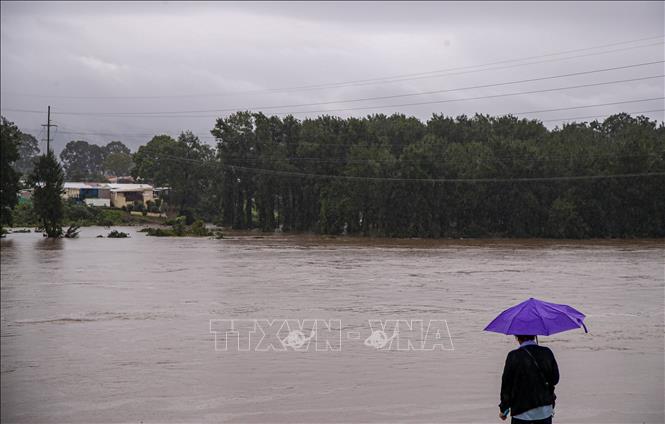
<point>198,229</point>
<point>179,229</point>
<point>117,234</point>
<point>72,231</point>
<point>179,226</point>
<point>160,232</point>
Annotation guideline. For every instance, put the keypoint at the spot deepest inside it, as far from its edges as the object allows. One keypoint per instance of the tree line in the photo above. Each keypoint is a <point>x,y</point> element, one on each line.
<point>384,176</point>
<point>397,176</point>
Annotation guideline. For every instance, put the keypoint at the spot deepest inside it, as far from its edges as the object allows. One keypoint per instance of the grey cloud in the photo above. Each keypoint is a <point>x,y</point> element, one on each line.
<point>156,49</point>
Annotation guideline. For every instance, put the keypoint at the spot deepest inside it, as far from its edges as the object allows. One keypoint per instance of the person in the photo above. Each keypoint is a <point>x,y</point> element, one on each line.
<point>527,383</point>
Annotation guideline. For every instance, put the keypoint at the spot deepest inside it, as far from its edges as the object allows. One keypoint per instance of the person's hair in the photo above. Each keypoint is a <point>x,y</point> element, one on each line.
<point>522,338</point>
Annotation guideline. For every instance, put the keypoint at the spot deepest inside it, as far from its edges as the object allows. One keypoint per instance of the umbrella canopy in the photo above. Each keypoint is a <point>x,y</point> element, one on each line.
<point>537,318</point>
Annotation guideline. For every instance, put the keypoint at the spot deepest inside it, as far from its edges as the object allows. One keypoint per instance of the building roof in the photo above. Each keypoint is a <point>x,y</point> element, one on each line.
<point>109,186</point>
<point>129,187</point>
<point>79,185</point>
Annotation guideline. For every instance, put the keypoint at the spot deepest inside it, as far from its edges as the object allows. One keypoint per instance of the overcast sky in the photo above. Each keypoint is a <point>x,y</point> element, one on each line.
<point>128,57</point>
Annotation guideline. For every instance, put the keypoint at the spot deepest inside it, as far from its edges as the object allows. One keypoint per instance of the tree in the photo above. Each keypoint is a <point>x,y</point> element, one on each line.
<point>154,161</point>
<point>118,163</point>
<point>184,165</point>
<point>10,139</point>
<point>28,150</point>
<point>47,180</point>
<point>391,176</point>
<point>82,161</point>
<point>565,222</point>
<point>116,147</point>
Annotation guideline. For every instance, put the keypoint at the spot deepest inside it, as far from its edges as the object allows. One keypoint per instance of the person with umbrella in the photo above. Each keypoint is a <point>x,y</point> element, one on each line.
<point>531,371</point>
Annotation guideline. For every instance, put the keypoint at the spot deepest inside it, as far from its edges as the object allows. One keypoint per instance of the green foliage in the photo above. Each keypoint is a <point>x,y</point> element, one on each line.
<point>198,229</point>
<point>118,163</point>
<point>564,221</point>
<point>180,229</point>
<point>72,231</point>
<point>83,161</point>
<point>10,140</point>
<point>160,232</point>
<point>117,234</point>
<point>184,165</point>
<point>153,206</point>
<point>77,213</point>
<point>500,151</point>
<point>179,226</point>
<point>399,177</point>
<point>47,180</point>
<point>24,215</point>
<point>28,151</point>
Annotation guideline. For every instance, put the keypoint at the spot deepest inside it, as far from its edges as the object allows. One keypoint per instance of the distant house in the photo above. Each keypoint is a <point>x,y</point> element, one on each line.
<point>124,194</point>
<point>108,194</point>
<point>93,194</point>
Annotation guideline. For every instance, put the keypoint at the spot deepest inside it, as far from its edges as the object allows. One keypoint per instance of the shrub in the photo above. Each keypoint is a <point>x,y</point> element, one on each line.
<point>72,231</point>
<point>160,232</point>
<point>117,234</point>
<point>179,226</point>
<point>198,229</point>
<point>23,215</point>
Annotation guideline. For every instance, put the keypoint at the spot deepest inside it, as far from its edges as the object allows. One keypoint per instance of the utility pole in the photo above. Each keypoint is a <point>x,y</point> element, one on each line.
<point>48,126</point>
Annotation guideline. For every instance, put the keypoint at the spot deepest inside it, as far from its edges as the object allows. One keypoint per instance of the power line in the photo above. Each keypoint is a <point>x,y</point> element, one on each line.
<point>531,159</point>
<point>588,106</point>
<point>488,64</point>
<point>363,99</point>
<point>474,98</point>
<point>387,80</point>
<point>152,134</point>
<point>597,116</point>
<point>143,115</point>
<point>493,96</point>
<point>417,180</point>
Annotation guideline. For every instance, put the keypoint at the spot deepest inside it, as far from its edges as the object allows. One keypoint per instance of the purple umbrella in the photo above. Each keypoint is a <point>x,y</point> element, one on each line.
<point>537,318</point>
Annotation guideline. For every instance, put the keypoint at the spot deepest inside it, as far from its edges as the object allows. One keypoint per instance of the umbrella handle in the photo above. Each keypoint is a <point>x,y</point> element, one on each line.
<point>584,326</point>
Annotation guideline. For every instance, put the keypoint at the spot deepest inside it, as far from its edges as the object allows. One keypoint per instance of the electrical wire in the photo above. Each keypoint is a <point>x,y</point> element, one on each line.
<point>384,80</point>
<point>363,99</point>
<point>415,180</point>
<point>114,134</point>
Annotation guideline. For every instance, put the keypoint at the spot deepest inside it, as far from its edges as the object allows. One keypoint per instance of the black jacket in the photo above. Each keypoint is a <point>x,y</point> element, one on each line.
<point>523,386</point>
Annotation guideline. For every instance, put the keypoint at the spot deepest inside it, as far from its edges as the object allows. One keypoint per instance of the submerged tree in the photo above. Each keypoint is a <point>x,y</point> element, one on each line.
<point>47,179</point>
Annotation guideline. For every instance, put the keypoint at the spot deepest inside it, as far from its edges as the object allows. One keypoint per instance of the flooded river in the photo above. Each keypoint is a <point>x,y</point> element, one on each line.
<point>119,330</point>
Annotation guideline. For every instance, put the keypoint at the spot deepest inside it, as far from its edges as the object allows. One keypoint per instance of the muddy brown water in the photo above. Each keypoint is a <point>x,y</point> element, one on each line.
<point>118,330</point>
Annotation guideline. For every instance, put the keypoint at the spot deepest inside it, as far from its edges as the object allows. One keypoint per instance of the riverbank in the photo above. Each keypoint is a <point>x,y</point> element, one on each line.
<point>139,229</point>
<point>86,216</point>
<point>232,234</point>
